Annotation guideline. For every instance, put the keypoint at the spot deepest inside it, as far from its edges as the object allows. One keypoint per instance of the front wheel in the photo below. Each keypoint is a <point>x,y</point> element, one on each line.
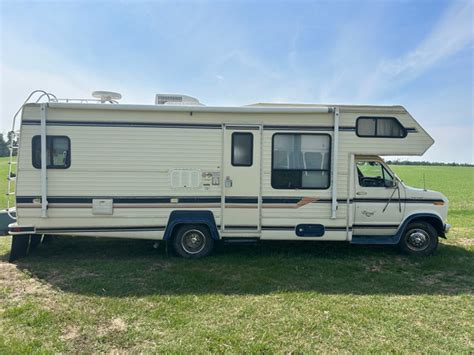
<point>420,238</point>
<point>193,241</point>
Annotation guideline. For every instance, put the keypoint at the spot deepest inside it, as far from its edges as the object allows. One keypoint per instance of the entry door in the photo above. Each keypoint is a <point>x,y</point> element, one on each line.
<point>379,200</point>
<point>241,212</point>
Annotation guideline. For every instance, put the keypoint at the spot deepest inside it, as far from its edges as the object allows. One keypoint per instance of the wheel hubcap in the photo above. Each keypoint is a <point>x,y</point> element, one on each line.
<point>193,241</point>
<point>418,239</point>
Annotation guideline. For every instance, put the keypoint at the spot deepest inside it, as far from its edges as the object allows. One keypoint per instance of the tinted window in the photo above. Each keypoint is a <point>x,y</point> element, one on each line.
<point>300,161</point>
<point>242,149</point>
<point>383,127</point>
<point>58,152</point>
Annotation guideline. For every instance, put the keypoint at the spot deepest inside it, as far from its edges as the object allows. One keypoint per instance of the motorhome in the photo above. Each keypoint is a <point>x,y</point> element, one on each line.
<point>194,175</point>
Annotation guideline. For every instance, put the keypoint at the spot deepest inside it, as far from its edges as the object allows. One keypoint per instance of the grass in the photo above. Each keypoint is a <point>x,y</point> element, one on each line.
<point>94,295</point>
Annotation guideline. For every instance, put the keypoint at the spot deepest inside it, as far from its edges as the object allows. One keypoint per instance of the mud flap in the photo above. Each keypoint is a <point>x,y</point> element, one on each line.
<point>20,246</point>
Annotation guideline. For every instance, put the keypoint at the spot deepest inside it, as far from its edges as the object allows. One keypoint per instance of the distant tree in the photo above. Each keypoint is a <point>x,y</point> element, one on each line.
<point>408,162</point>
<point>10,137</point>
<point>4,151</point>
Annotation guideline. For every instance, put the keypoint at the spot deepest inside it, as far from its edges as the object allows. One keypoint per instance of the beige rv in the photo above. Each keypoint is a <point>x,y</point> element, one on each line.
<point>193,175</point>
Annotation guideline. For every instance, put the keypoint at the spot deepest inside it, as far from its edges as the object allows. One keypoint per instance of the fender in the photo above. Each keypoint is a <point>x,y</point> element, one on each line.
<point>191,217</point>
<point>416,215</point>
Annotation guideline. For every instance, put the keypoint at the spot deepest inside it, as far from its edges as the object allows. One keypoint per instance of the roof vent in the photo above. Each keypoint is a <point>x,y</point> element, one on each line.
<point>172,99</point>
<point>107,96</point>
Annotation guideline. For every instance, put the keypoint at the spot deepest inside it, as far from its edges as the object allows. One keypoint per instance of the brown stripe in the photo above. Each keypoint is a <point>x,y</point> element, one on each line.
<point>305,201</point>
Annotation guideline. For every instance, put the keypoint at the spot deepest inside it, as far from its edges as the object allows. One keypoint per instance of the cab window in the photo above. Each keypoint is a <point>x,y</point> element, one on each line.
<point>373,174</point>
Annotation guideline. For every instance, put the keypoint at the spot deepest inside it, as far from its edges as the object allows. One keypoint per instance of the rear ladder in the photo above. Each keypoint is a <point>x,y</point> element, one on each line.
<point>13,136</point>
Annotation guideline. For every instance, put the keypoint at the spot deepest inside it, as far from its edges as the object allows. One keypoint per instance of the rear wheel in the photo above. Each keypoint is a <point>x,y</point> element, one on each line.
<point>420,238</point>
<point>193,241</point>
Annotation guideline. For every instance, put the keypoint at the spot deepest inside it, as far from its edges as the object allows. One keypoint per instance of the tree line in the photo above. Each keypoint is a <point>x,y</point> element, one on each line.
<point>408,162</point>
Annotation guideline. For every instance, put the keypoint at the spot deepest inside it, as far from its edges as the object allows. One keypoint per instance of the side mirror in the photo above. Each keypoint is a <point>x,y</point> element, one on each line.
<point>390,183</point>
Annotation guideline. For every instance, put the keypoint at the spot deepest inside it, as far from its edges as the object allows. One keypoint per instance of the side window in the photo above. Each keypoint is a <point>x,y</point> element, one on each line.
<point>381,127</point>
<point>242,149</point>
<point>373,174</point>
<point>58,152</point>
<point>300,161</point>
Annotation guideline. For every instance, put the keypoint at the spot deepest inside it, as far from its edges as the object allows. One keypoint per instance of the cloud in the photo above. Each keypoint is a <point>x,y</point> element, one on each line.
<point>453,33</point>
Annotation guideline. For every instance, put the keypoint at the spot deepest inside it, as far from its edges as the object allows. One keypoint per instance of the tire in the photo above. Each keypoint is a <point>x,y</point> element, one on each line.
<point>193,241</point>
<point>419,238</point>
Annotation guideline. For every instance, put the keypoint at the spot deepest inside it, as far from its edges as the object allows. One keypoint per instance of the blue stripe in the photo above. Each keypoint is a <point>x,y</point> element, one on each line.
<point>122,199</point>
<point>210,199</point>
<point>395,200</point>
<point>124,124</point>
<point>192,125</point>
<point>242,227</point>
<point>243,199</point>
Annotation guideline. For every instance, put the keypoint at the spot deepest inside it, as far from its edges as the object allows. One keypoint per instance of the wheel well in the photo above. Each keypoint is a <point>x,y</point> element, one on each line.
<point>434,221</point>
<point>205,218</point>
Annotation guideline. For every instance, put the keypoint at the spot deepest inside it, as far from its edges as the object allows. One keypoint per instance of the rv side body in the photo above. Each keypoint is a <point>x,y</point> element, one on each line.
<point>132,167</point>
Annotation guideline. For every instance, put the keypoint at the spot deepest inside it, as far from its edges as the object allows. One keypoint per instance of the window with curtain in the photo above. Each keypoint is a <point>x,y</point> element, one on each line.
<point>300,161</point>
<point>382,127</point>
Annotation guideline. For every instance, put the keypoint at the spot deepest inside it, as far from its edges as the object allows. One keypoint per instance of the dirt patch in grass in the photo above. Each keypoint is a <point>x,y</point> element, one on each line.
<point>72,332</point>
<point>20,285</point>
<point>466,242</point>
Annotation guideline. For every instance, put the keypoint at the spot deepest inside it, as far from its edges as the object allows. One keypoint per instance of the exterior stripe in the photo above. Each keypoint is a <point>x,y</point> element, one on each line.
<point>236,201</point>
<point>163,227</point>
<point>242,227</point>
<point>124,124</point>
<point>30,122</point>
<point>243,127</point>
<point>301,128</point>
<point>410,200</point>
<point>387,226</point>
<point>101,229</point>
<point>287,228</point>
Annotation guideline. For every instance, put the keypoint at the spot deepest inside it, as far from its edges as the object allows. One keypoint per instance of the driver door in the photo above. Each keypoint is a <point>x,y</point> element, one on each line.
<point>379,201</point>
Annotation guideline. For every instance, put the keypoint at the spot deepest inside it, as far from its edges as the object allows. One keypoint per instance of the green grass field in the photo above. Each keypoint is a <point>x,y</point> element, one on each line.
<point>98,295</point>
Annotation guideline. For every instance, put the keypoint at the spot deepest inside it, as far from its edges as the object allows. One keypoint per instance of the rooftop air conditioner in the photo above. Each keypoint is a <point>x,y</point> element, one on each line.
<point>172,99</point>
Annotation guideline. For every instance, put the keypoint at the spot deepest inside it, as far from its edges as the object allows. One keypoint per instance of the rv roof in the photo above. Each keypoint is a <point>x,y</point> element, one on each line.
<point>254,108</point>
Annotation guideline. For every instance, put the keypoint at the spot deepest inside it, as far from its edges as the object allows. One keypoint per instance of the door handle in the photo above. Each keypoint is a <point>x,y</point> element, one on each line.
<point>361,193</point>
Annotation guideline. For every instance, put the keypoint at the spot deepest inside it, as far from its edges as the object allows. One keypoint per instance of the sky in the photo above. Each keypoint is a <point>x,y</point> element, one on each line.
<point>418,54</point>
